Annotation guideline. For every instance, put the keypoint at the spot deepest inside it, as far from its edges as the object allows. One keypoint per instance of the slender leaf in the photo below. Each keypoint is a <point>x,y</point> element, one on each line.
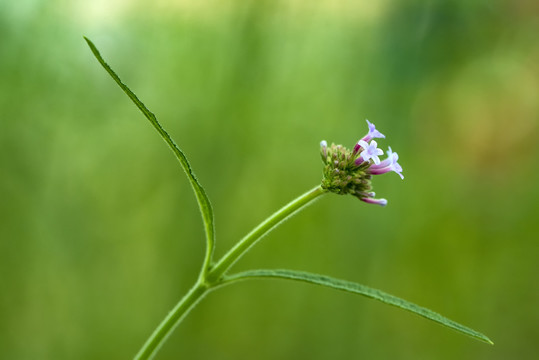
<point>202,198</point>
<point>361,290</point>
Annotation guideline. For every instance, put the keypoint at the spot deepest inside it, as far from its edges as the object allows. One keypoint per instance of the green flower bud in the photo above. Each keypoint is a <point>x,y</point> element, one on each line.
<point>341,173</point>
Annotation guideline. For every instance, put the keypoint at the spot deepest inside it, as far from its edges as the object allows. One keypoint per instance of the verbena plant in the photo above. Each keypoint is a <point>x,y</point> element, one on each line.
<point>345,172</point>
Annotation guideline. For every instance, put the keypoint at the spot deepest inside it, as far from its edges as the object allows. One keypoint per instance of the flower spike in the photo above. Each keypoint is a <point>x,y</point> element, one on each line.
<point>350,171</point>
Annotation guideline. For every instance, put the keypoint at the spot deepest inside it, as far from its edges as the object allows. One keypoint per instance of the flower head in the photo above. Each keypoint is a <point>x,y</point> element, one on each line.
<point>350,171</point>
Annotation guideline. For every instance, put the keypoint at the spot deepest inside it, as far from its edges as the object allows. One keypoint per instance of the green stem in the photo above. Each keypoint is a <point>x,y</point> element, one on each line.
<point>212,279</point>
<point>161,333</point>
<point>262,229</point>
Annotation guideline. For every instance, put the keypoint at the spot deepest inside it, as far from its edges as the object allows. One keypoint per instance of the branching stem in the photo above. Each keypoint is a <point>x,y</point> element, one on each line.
<point>257,233</point>
<point>210,280</point>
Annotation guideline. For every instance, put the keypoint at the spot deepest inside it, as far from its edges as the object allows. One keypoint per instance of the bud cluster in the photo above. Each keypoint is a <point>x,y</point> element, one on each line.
<point>350,171</point>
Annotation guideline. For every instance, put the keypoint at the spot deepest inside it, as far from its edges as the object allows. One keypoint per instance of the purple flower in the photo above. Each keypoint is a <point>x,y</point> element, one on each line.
<point>368,200</point>
<point>373,133</point>
<point>389,164</point>
<point>370,152</point>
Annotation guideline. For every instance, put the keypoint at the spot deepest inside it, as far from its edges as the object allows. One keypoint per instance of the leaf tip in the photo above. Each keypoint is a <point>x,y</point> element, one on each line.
<point>90,44</point>
<point>483,338</point>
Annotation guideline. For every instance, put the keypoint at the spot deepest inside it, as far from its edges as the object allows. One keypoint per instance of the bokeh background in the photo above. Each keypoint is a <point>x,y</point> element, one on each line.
<point>100,233</point>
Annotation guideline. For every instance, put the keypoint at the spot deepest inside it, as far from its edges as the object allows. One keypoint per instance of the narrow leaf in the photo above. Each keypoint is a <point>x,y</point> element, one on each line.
<point>361,290</point>
<point>203,200</point>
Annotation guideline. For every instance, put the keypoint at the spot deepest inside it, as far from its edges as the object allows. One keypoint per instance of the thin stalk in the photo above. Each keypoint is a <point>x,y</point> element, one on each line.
<point>174,317</point>
<point>262,229</point>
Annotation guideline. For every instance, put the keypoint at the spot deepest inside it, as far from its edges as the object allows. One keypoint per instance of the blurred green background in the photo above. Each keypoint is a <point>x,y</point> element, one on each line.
<point>99,231</point>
